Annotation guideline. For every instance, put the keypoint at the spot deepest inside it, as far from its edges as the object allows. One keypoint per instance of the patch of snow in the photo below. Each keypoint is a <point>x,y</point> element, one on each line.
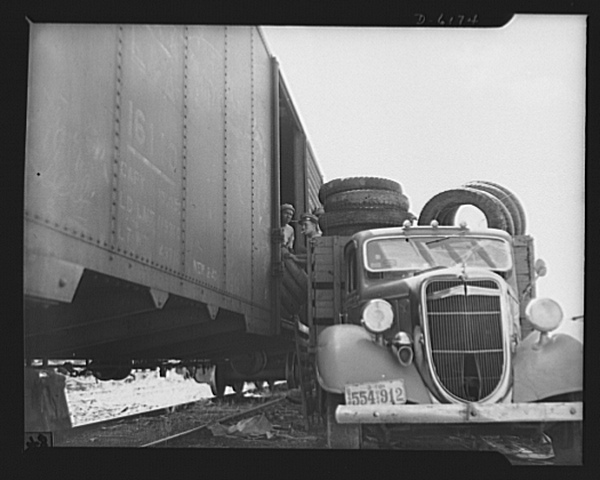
<point>91,400</point>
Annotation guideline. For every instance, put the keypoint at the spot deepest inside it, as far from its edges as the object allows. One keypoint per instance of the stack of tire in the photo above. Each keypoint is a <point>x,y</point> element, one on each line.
<point>361,203</point>
<point>501,207</point>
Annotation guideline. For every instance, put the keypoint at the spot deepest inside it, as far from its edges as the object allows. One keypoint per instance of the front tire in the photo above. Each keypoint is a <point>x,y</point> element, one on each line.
<point>340,435</point>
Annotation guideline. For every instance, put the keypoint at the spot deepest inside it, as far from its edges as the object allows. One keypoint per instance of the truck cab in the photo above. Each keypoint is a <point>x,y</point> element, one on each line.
<point>426,328</point>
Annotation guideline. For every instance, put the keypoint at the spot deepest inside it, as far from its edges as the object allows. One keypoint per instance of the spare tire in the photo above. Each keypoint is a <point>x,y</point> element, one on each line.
<point>508,202</point>
<point>357,183</point>
<point>511,201</point>
<point>444,206</point>
<point>349,230</point>
<point>366,198</point>
<point>358,219</point>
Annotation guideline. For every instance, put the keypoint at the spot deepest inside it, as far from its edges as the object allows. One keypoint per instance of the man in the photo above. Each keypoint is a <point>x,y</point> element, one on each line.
<point>309,224</point>
<point>287,213</point>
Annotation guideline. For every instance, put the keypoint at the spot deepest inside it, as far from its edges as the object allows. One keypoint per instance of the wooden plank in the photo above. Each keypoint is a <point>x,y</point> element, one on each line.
<point>337,304</point>
<point>461,413</point>
<point>322,277</point>
<point>324,265</point>
<point>323,295</point>
<point>323,310</point>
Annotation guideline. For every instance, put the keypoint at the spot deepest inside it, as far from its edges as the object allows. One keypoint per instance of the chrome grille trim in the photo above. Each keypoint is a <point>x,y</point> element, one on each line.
<point>464,323</point>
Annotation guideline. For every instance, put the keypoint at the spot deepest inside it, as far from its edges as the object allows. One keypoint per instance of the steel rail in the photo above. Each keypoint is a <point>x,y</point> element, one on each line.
<point>61,435</point>
<point>220,420</point>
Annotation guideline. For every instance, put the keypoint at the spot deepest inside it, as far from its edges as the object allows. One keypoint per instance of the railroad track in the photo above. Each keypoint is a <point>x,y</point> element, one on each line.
<point>167,426</point>
<point>235,416</point>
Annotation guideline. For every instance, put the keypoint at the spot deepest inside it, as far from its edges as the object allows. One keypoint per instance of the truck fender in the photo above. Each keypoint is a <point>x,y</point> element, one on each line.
<point>552,367</point>
<point>347,354</point>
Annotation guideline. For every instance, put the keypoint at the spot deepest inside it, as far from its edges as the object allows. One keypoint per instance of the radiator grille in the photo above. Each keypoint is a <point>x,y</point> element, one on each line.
<point>465,333</point>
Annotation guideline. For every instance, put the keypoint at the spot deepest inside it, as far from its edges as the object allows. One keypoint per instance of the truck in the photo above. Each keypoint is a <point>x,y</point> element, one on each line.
<point>157,158</point>
<point>432,324</point>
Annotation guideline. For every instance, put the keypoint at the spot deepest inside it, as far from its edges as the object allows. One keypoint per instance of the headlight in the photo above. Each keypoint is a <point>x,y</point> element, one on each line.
<point>377,316</point>
<point>544,313</point>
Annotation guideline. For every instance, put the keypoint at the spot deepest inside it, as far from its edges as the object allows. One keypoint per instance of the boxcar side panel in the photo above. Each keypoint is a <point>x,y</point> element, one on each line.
<point>129,128</point>
<point>237,163</point>
<point>262,172</point>
<point>205,151</point>
<point>148,217</point>
<point>70,132</point>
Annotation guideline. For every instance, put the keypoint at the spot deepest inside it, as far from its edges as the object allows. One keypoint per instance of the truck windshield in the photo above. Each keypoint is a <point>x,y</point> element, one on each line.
<point>422,253</point>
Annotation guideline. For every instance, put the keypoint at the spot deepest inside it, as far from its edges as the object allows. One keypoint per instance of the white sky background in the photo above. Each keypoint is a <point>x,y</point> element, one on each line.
<point>433,108</point>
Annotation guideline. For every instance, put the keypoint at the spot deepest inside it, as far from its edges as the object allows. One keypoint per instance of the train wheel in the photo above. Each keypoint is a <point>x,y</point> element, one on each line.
<point>217,382</point>
<point>292,375</point>
<point>258,385</point>
<point>110,369</point>
<point>238,388</point>
<point>340,435</point>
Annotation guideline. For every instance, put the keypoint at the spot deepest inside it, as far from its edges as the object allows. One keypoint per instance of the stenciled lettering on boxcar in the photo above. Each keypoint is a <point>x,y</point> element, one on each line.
<point>206,272</point>
<point>67,175</point>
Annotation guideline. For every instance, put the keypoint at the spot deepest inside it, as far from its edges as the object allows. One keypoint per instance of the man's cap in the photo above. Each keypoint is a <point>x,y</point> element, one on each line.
<point>288,206</point>
<point>309,217</point>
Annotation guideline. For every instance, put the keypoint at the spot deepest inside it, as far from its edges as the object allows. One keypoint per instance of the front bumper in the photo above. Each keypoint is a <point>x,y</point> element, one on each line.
<point>461,413</point>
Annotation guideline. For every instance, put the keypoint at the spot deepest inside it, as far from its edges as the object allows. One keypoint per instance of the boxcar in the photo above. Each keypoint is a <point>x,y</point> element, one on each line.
<point>156,161</point>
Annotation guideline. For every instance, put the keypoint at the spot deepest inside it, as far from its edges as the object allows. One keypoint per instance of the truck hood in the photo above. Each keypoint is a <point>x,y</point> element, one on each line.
<point>398,288</point>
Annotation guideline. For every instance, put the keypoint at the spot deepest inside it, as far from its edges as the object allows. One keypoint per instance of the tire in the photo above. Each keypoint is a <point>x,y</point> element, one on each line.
<point>508,199</point>
<point>444,206</point>
<point>386,217</point>
<point>340,436</point>
<point>349,230</point>
<point>514,198</point>
<point>367,198</point>
<point>357,183</point>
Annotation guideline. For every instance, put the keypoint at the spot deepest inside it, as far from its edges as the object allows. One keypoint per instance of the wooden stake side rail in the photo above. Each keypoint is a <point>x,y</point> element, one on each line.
<point>525,268</point>
<point>325,273</point>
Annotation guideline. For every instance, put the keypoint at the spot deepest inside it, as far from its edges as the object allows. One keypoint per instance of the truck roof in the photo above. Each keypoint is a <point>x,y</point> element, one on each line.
<point>428,229</point>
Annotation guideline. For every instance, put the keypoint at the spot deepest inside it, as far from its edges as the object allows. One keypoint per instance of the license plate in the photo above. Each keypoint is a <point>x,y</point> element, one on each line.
<point>389,392</point>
